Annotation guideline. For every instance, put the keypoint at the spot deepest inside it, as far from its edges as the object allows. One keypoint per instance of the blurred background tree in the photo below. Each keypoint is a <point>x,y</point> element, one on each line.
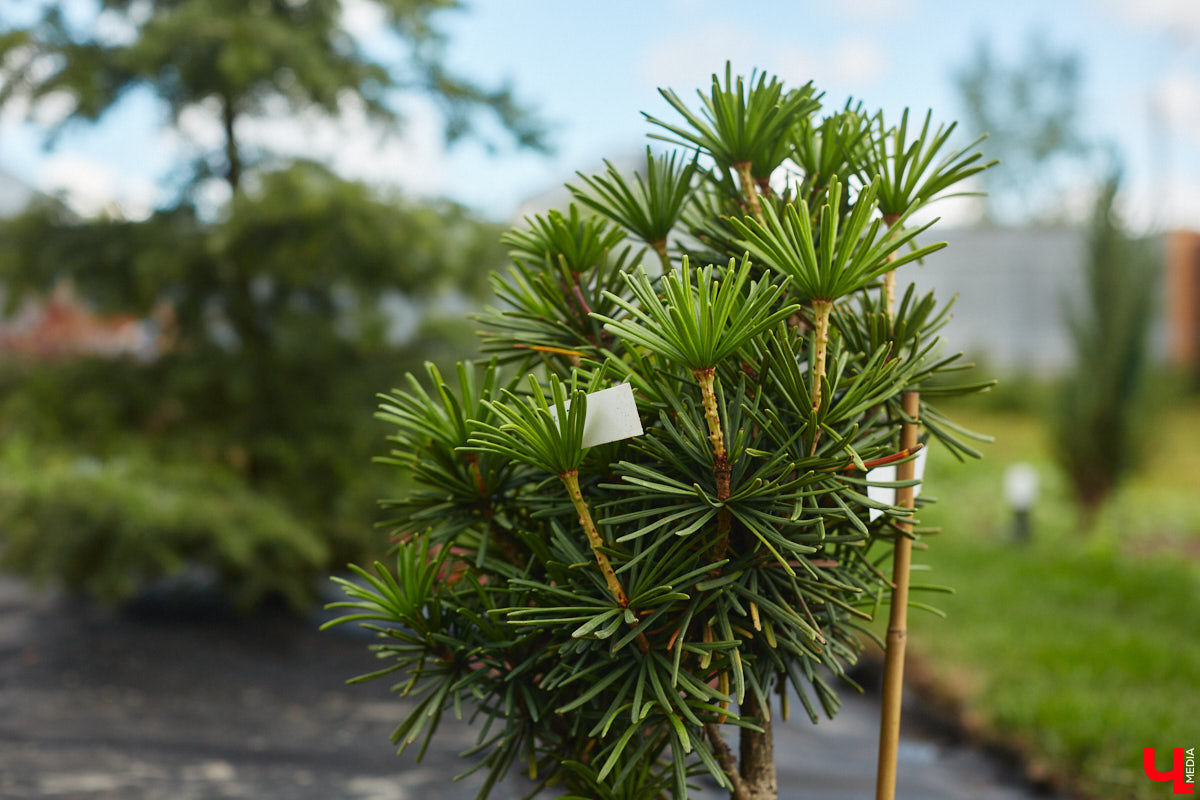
<point>1030,109</point>
<point>280,310</point>
<point>1100,424</point>
<point>239,60</point>
<point>1031,112</point>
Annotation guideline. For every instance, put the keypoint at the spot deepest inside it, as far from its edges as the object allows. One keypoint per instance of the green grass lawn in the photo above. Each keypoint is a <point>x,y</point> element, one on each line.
<point>1080,647</point>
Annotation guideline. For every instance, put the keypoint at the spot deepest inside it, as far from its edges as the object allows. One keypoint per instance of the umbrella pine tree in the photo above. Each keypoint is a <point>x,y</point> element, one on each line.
<point>618,613</point>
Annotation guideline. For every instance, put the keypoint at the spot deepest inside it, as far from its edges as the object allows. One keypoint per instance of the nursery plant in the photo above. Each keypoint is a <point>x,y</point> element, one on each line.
<point>615,602</point>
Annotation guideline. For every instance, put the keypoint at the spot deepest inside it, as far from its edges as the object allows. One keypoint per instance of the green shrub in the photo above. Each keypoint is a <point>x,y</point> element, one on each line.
<point>106,527</point>
<point>1099,427</point>
<point>619,606</point>
<point>280,393</point>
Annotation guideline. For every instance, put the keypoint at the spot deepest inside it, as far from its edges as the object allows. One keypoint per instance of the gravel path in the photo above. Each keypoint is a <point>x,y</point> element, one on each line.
<point>96,705</point>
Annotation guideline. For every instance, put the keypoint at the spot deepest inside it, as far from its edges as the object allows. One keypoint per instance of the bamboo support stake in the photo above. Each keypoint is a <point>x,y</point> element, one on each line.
<point>897,632</point>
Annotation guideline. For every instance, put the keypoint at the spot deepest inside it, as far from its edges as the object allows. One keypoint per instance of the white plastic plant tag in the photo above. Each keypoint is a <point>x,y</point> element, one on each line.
<point>611,415</point>
<point>886,474</point>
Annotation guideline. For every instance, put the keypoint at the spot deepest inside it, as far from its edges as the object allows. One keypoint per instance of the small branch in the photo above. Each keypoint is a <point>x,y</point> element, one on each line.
<point>727,761</point>
<point>233,156</point>
<point>823,310</point>
<point>721,469</point>
<point>570,479</point>
<point>723,688</point>
<point>579,308</point>
<point>495,532</point>
<point>660,247</point>
<point>587,310</point>
<point>749,188</point>
<point>473,466</point>
<point>889,277</point>
<point>708,396</point>
<point>881,461</point>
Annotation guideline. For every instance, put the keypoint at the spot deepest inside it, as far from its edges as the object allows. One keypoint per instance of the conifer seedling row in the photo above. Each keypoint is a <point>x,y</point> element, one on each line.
<point>616,619</point>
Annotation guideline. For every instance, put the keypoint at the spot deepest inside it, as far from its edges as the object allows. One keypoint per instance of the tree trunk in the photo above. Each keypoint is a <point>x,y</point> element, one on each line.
<point>233,158</point>
<point>757,760</point>
<point>242,309</point>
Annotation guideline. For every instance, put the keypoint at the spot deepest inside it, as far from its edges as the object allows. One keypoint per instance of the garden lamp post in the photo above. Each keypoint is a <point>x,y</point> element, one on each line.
<point>1021,490</point>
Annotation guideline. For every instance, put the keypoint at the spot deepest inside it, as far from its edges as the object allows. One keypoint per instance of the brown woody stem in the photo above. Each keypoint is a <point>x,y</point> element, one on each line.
<point>727,761</point>
<point>716,436</point>
<point>497,535</point>
<point>748,188</point>
<point>708,396</point>
<point>889,277</point>
<point>660,247</point>
<point>570,479</point>
<point>822,309</point>
<point>758,753</point>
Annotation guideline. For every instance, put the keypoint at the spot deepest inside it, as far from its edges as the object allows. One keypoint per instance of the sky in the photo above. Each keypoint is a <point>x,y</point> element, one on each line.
<point>591,68</point>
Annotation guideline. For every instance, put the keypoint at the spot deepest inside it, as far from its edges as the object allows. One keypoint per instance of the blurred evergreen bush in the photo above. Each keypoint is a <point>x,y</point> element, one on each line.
<point>346,289</point>
<point>297,299</point>
<point>1101,422</point>
<point>108,527</point>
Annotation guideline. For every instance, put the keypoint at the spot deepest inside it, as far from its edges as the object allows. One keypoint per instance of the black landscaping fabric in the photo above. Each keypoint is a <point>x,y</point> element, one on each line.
<point>188,702</point>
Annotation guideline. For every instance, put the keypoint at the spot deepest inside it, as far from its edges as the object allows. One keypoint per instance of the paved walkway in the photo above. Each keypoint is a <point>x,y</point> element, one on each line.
<point>102,706</point>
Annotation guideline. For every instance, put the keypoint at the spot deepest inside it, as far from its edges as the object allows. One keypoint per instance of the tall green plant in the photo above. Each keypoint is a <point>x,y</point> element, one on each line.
<point>666,587</point>
<point>1101,399</point>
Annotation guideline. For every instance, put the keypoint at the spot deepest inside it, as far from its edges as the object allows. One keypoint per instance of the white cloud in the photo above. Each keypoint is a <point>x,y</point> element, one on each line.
<point>197,130</point>
<point>1176,99</point>
<point>875,9</point>
<point>675,61</point>
<point>51,109</point>
<point>951,212</point>
<point>363,19</point>
<point>798,67</point>
<point>857,61</point>
<point>114,28</point>
<point>1179,17</point>
<point>1162,202</point>
<point>92,187</point>
<point>852,63</point>
<point>49,112</point>
<point>355,147</point>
